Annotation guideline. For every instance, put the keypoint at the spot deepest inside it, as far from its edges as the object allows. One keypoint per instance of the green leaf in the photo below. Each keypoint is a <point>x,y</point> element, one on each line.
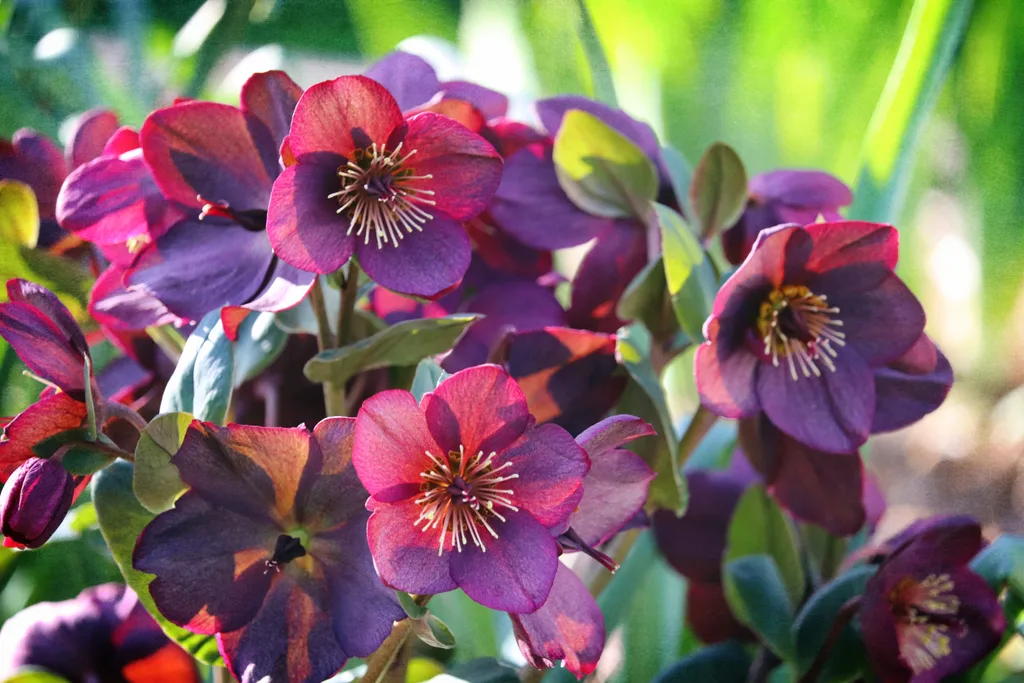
<point>720,663</point>
<point>934,31</point>
<point>646,300</point>
<point>19,214</point>
<point>122,519</point>
<point>50,445</point>
<point>202,381</point>
<point>428,375</point>
<point>718,191</point>
<point>758,598</point>
<point>434,632</point>
<point>414,610</point>
<point>760,527</point>
<point>260,342</point>
<point>83,517</point>
<point>653,628</point>
<point>405,343</point>
<point>601,170</point>
<point>597,60</point>
<point>615,600</point>
<point>85,459</point>
<point>1002,561</point>
<point>31,674</point>
<point>483,670</point>
<point>69,280</point>
<point>475,624</point>
<point>156,481</point>
<point>848,659</point>
<point>688,272</point>
<point>680,174</point>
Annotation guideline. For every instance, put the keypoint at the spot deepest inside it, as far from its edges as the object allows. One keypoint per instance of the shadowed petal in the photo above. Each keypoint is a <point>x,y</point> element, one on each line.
<point>335,496</point>
<point>343,115</point>
<point>92,130</point>
<point>124,140</point>
<point>408,77</point>
<point>23,291</point>
<point>286,286</point>
<point>709,615</point>
<point>725,379</point>
<point>550,467</point>
<point>114,305</point>
<point>35,160</point>
<point>614,491</point>
<point>801,189</point>
<point>911,387</point>
<point>44,418</point>
<point>612,432</point>
<point>617,256</point>
<point>406,558</point>
<point>491,103</point>
<point>51,346</point>
<point>269,99</point>
<point>391,440</point>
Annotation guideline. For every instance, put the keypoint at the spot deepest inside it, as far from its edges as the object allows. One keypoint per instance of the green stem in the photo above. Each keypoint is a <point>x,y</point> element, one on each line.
<point>119,410</point>
<point>168,339</point>
<point>349,294</point>
<point>334,393</point>
<point>702,422</point>
<point>221,675</point>
<point>380,666</point>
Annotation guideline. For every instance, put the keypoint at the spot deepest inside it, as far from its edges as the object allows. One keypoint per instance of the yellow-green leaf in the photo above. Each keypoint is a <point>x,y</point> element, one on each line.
<point>19,214</point>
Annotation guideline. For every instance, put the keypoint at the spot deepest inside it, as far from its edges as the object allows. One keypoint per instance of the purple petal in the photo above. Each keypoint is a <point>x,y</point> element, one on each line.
<point>331,492</point>
<point>911,387</point>
<point>343,115</point>
<point>405,557</point>
<point>614,491</point>
<point>491,103</point>
<point>802,189</point>
<point>122,378</point>
<point>36,161</point>
<point>725,376</point>
<point>612,432</point>
<point>408,77</point>
<point>568,627</point>
<point>617,256</point>
<point>124,140</point>
<point>286,286</point>
<point>269,100</point>
<point>709,615</point>
<point>516,572</point>
<point>550,467</point>
<point>92,131</point>
<point>302,222</point>
<point>844,243</point>
<point>44,335</point>
<point>114,305</point>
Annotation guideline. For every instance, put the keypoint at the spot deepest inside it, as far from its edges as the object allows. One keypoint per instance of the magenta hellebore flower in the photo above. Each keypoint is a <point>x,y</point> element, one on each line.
<point>392,190</point>
<point>34,501</point>
<point>104,635</point>
<point>925,615</point>
<point>785,196</point>
<point>466,491</point>
<point>267,549</point>
<point>801,328</point>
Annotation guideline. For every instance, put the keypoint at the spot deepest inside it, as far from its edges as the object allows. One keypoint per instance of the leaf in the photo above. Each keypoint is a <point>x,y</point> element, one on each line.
<point>597,60</point>
<point>602,171</point>
<point>759,527</point>
<point>411,607</point>
<point>718,191</point>
<point>260,342</point>
<point>1001,561</point>
<point>758,598</point>
<point>848,659</point>
<point>680,174</point>
<point>646,300</point>
<point>83,517</point>
<point>475,624</point>
<point>85,459</point>
<point>428,375</point>
<point>433,632</point>
<point>19,214</point>
<point>122,520</point>
<point>51,444</point>
<point>31,674</point>
<point>405,343</point>
<point>653,627</point>
<point>202,381</point>
<point>934,31</point>
<point>689,273</point>
<point>483,670</point>
<point>720,663</point>
<point>69,280</point>
<point>617,597</point>
<point>156,481</point>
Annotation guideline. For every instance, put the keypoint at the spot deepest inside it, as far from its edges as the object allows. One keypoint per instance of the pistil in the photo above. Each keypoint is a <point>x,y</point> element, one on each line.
<point>800,327</point>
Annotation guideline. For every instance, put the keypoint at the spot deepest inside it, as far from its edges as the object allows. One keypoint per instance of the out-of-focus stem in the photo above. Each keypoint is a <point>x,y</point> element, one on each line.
<point>703,420</point>
<point>349,293</point>
<point>381,665</point>
<point>334,395</point>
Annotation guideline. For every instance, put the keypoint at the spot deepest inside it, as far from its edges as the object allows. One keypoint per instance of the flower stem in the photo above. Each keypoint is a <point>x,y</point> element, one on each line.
<point>221,675</point>
<point>702,422</point>
<point>380,666</point>
<point>334,395</point>
<point>349,294</point>
<point>122,411</point>
<point>168,339</point>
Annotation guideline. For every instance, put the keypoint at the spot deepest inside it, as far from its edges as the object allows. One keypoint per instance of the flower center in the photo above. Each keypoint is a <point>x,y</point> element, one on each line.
<point>461,497</point>
<point>926,619</point>
<point>798,325</point>
<point>286,549</point>
<point>381,196</point>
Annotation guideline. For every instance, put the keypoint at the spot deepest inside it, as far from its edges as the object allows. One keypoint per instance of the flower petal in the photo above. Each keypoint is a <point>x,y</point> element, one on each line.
<point>614,491</point>
<point>802,189</point>
<point>491,103</point>
<point>709,615</point>
<point>844,243</point>
<point>124,140</point>
<point>516,572</point>
<point>269,100</point>
<point>911,387</point>
<point>114,305</point>
<point>617,256</point>
<point>49,348</point>
<point>725,376</point>
<point>335,497</point>
<point>343,115</point>
<point>568,627</point>
<point>46,417</point>
<point>90,135</point>
<point>286,286</point>
<point>35,160</point>
<point>47,303</point>
<point>550,467</point>
<point>612,432</point>
<point>406,558</point>
<point>408,77</point>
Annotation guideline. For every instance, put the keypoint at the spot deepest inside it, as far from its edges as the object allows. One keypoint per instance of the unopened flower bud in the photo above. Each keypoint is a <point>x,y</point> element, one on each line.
<point>34,501</point>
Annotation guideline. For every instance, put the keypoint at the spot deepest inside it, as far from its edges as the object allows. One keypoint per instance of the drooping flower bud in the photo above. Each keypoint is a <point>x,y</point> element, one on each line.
<point>34,501</point>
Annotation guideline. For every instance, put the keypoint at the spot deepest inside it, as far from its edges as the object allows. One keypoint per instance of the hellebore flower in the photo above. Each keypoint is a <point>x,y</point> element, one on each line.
<point>925,615</point>
<point>34,501</point>
<point>778,197</point>
<point>104,635</point>
<point>267,549</point>
<point>569,625</point>
<point>465,491</point>
<point>392,190</point>
<point>801,327</point>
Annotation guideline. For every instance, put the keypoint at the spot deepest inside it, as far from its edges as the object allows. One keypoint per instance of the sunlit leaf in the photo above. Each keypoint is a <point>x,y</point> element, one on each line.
<point>156,481</point>
<point>688,272</point>
<point>19,214</point>
<point>718,190</point>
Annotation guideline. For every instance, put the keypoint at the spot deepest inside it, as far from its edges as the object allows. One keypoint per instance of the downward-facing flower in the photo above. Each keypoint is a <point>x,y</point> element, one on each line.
<point>267,549</point>
<point>104,634</point>
<point>466,492</point>
<point>392,190</point>
<point>925,615</point>
<point>778,197</point>
<point>801,327</point>
<point>34,501</point>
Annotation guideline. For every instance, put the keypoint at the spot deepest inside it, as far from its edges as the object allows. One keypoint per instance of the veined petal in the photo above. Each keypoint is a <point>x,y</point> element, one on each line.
<point>617,256</point>
<point>269,100</point>
<point>391,441</point>
<point>343,115</point>
<point>911,387</point>
<point>406,557</point>
<point>549,466</point>
<point>92,130</point>
<point>46,417</point>
<point>614,491</point>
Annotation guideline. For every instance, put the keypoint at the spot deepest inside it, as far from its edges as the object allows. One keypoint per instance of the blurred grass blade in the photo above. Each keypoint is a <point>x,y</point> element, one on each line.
<point>597,60</point>
<point>933,32</point>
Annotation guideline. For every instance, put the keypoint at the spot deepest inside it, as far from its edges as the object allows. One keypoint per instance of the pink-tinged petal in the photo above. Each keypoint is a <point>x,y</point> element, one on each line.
<point>612,432</point>
<point>765,266</point>
<point>92,131</point>
<point>204,149</point>
<point>391,441</point>
<point>466,169</point>
<point>124,140</point>
<point>911,387</point>
<point>49,305</point>
<point>269,99</point>
<point>406,558</point>
<point>725,377</point>
<point>511,136</point>
<point>46,417</point>
<point>42,346</point>
<point>408,77</point>
<point>286,286</point>
<point>618,255</point>
<point>343,115</point>
<point>454,415</point>
<point>491,103</point>
<point>516,572</point>
<point>844,243</point>
<point>114,305</point>
<point>289,639</point>
<point>231,318</point>
<point>224,590</point>
<point>425,264</point>
<point>35,160</point>
<point>502,252</point>
<point>302,222</point>
<point>549,466</point>
<point>614,491</point>
<point>568,627</point>
<point>530,204</point>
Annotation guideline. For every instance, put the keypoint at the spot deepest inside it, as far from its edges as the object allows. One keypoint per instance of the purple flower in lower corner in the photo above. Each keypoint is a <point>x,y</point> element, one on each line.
<point>34,501</point>
<point>925,615</point>
<point>466,492</point>
<point>267,549</point>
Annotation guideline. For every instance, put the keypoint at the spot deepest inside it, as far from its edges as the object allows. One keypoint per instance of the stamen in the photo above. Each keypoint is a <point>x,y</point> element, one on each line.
<point>798,325</point>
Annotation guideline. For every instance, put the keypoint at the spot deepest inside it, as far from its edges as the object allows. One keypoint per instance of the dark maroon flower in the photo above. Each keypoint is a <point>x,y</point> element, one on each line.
<point>466,492</point>
<point>267,548</point>
<point>925,615</point>
<point>393,191</point>
<point>103,635</point>
<point>801,327</point>
<point>778,197</point>
<point>34,501</point>
<point>569,625</point>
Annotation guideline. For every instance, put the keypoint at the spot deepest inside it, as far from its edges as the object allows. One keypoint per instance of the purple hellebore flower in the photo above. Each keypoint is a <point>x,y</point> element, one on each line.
<point>785,196</point>
<point>465,491</point>
<point>34,501</point>
<point>925,615</point>
<point>392,190</point>
<point>267,549</point>
<point>800,329</point>
<point>104,635</point>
